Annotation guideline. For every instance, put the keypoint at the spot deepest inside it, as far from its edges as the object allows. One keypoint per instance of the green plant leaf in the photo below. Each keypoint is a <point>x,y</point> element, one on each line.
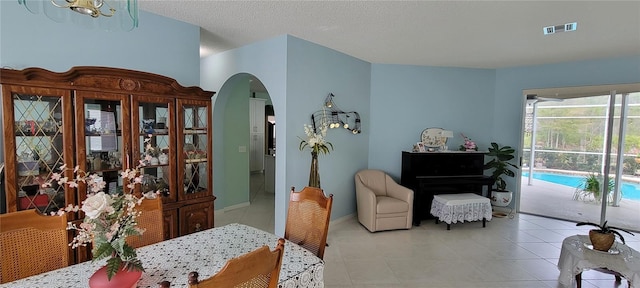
<point>500,165</point>
<point>113,264</point>
<point>101,251</point>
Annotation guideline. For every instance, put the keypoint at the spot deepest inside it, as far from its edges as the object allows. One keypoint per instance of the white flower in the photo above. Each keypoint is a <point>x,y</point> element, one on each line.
<point>316,141</point>
<point>97,204</point>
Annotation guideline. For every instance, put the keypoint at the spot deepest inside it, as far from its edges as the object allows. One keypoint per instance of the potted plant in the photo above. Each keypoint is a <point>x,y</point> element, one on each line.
<point>603,237</point>
<point>502,168</point>
<point>590,188</point>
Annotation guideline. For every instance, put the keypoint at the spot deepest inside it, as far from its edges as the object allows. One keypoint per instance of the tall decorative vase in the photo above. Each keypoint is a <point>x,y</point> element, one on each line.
<point>314,174</point>
<point>122,278</point>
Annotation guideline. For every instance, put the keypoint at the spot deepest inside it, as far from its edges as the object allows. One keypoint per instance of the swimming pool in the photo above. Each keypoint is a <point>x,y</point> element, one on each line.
<point>630,191</point>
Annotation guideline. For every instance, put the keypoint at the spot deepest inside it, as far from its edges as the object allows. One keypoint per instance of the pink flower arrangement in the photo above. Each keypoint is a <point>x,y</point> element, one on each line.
<point>468,144</point>
<point>109,218</point>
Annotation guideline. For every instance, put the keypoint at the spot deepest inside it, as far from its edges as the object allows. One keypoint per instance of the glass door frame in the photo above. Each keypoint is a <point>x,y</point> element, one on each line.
<point>613,92</point>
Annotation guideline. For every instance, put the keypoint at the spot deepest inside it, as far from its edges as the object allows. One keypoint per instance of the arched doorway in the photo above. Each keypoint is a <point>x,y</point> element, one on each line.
<point>244,153</point>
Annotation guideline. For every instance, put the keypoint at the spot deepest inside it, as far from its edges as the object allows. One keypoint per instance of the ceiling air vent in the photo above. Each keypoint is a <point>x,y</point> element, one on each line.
<point>549,30</point>
<point>570,26</point>
<point>560,28</point>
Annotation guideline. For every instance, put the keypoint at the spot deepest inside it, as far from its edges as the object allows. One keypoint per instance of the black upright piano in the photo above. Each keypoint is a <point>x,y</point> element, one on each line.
<point>447,172</point>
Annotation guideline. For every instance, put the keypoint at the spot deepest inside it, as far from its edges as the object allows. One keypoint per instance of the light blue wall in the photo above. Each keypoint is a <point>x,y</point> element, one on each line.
<point>236,115</point>
<point>314,71</point>
<point>267,61</point>
<point>159,45</point>
<point>407,99</point>
<point>298,76</point>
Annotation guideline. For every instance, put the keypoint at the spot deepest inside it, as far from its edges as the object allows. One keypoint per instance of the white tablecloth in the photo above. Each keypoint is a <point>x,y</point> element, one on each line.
<point>452,208</point>
<point>575,258</point>
<point>205,252</point>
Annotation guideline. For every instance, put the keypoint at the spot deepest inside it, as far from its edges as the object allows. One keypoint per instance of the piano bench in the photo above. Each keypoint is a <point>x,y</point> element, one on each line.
<point>453,208</point>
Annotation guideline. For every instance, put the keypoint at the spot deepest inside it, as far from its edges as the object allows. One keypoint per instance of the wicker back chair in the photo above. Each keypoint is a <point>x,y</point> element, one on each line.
<point>150,220</point>
<point>257,269</point>
<point>308,219</point>
<point>32,243</point>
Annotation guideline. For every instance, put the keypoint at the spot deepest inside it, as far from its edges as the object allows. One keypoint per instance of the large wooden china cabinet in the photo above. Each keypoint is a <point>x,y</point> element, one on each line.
<point>106,120</point>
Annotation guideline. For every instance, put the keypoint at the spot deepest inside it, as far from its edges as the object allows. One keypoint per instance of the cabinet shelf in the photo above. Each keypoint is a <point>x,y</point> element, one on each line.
<point>37,134</point>
<point>142,134</point>
<point>117,133</point>
<point>195,131</point>
<point>154,166</point>
<point>105,170</point>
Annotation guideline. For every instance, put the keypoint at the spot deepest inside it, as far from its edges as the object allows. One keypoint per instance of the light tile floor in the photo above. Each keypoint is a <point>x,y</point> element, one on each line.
<point>518,252</point>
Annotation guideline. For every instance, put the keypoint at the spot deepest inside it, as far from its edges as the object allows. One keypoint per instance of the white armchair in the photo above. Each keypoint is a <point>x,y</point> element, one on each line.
<point>382,203</point>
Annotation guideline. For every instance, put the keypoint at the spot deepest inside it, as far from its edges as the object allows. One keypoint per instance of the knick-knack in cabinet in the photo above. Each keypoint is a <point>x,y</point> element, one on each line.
<point>163,158</point>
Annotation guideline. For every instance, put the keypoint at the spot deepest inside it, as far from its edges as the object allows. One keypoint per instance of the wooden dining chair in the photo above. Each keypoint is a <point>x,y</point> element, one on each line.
<point>32,243</point>
<point>151,219</point>
<point>308,219</point>
<point>257,269</point>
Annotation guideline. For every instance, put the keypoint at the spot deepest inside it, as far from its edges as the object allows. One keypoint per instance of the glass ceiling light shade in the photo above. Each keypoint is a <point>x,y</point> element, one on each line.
<point>86,7</point>
<point>108,15</point>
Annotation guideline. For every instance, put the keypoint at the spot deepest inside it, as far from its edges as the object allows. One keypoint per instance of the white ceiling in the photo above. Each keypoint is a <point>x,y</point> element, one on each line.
<point>475,34</point>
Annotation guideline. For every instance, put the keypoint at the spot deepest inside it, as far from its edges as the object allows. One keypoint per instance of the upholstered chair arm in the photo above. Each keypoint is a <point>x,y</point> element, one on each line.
<point>398,191</point>
<point>366,204</point>
<point>366,201</point>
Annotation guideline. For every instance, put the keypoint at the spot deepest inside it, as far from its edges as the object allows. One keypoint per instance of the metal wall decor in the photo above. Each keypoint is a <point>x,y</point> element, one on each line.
<point>335,118</point>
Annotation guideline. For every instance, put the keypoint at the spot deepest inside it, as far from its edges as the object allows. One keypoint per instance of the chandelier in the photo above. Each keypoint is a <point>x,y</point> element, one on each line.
<point>109,15</point>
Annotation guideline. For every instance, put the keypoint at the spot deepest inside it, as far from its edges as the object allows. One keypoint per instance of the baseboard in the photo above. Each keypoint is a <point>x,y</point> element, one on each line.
<point>232,207</point>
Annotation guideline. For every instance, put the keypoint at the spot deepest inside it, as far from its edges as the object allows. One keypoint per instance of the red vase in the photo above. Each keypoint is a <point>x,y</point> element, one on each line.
<point>122,278</point>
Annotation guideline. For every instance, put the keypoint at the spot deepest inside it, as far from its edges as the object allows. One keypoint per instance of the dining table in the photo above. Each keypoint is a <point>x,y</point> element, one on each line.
<point>205,252</point>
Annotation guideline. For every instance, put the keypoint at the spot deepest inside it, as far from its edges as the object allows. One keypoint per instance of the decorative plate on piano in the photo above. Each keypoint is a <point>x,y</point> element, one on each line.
<point>433,137</point>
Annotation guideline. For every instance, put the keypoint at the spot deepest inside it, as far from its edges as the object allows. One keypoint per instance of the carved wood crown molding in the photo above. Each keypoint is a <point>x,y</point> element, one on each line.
<point>111,79</point>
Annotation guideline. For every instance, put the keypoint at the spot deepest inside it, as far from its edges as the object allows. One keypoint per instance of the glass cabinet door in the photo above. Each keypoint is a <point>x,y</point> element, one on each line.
<point>41,138</point>
<point>103,138</point>
<point>154,144</point>
<point>194,145</point>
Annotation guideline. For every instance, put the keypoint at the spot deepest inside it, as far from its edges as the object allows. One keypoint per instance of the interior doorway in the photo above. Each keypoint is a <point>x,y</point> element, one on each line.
<point>240,146</point>
<point>262,121</point>
<point>572,135</point>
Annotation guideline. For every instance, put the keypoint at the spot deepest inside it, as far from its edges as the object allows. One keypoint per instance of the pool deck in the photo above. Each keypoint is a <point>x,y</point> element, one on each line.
<point>556,201</point>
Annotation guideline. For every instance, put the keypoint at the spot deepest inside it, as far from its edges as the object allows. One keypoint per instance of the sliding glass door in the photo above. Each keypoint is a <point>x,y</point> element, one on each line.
<point>569,144</point>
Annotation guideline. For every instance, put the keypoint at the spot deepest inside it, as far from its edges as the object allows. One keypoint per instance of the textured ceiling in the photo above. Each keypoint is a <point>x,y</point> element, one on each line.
<point>475,34</point>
